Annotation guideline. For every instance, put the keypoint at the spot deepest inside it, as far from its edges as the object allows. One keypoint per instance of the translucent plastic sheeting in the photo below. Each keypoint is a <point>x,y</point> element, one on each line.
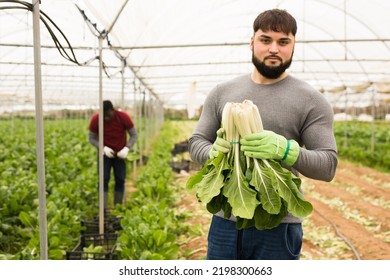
<point>174,47</point>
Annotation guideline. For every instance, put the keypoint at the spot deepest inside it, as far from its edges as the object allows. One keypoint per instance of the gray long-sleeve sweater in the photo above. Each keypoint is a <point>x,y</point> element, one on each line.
<point>291,108</point>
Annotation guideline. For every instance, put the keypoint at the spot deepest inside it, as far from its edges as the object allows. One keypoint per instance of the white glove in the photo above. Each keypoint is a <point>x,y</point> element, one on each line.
<point>123,153</point>
<point>109,152</point>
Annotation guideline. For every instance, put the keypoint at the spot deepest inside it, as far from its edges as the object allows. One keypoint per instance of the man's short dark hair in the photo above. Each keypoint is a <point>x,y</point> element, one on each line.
<point>275,20</point>
<point>107,105</point>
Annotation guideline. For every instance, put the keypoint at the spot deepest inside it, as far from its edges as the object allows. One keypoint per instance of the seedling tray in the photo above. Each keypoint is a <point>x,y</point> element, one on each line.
<point>177,166</point>
<point>111,225</point>
<point>94,247</point>
<point>180,148</point>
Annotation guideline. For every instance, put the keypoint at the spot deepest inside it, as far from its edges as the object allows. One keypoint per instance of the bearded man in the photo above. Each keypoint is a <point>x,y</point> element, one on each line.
<point>298,132</point>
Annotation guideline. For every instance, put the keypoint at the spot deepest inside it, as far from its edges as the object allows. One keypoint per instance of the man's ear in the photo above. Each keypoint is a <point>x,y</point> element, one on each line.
<point>251,44</point>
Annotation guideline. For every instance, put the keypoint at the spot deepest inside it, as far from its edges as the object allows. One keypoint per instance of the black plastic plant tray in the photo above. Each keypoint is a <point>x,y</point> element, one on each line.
<point>107,241</point>
<point>177,166</point>
<point>111,225</point>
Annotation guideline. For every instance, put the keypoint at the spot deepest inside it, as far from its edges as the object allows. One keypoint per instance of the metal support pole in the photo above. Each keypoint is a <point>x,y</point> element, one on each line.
<point>101,37</point>
<point>123,84</point>
<point>101,139</point>
<point>346,118</point>
<point>147,118</point>
<point>123,106</point>
<point>39,133</point>
<point>373,113</point>
<point>135,109</point>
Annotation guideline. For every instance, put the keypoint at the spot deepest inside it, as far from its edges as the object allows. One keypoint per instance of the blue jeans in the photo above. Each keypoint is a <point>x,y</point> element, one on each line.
<point>225,242</point>
<point>119,167</point>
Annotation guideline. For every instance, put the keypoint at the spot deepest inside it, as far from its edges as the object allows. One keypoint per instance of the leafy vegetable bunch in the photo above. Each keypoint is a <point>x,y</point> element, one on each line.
<point>258,192</point>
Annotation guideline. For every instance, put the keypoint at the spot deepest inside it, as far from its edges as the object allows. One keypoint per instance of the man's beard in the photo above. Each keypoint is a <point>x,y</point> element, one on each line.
<point>270,72</point>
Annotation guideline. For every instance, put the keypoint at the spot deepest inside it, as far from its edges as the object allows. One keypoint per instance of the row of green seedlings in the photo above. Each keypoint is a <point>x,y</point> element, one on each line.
<point>70,168</point>
<point>150,226</point>
<point>359,142</point>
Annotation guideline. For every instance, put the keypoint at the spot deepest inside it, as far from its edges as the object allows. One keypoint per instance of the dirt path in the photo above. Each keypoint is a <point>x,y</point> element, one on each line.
<point>357,202</point>
<point>351,218</point>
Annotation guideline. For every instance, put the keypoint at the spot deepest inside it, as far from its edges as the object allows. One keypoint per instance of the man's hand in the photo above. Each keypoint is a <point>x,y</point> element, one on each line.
<point>220,145</point>
<point>269,145</point>
<point>108,152</point>
<point>123,153</point>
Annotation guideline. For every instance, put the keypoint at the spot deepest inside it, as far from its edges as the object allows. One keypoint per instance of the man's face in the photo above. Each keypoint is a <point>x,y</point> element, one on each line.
<point>109,115</point>
<point>272,52</point>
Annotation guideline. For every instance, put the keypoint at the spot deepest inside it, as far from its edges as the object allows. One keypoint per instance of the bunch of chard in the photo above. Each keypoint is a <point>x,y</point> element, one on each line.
<point>258,192</point>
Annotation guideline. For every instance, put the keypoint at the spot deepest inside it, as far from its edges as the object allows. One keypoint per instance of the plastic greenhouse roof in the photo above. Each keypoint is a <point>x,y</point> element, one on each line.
<point>178,50</point>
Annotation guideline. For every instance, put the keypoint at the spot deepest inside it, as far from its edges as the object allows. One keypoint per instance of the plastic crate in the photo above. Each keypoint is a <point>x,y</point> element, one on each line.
<point>111,225</point>
<point>177,166</point>
<point>180,148</point>
<point>107,241</point>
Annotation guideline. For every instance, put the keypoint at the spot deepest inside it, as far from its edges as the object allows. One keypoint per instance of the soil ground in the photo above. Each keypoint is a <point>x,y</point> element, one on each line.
<point>351,217</point>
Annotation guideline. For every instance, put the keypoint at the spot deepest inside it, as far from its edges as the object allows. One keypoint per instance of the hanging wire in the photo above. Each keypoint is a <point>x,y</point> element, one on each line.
<point>104,34</point>
<point>45,20</point>
<point>65,51</point>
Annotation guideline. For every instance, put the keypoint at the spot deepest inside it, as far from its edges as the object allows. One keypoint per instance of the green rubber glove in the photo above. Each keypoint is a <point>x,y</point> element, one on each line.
<point>269,145</point>
<point>220,145</point>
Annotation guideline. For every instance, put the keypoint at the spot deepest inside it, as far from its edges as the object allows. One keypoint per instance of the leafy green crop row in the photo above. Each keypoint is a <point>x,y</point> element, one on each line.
<point>70,166</point>
<point>354,142</point>
<point>149,224</point>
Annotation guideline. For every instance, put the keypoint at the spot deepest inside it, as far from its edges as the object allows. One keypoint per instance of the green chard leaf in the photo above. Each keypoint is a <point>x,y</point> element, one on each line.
<point>244,223</point>
<point>215,204</point>
<point>282,180</point>
<point>262,181</point>
<point>226,208</point>
<point>264,220</point>
<point>241,197</point>
<point>211,183</point>
<point>27,219</point>
<point>198,176</point>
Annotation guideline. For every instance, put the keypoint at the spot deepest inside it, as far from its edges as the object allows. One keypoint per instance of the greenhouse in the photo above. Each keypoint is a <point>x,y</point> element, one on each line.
<point>158,61</point>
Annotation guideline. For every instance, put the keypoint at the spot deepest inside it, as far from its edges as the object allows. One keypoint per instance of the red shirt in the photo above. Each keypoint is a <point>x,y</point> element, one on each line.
<point>115,130</point>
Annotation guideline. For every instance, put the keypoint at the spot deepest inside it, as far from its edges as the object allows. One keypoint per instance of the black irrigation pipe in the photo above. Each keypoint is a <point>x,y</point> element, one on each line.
<point>355,252</point>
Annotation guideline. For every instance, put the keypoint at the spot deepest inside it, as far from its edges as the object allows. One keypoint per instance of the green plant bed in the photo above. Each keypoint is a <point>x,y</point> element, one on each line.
<point>150,226</point>
<point>70,163</point>
<point>364,143</point>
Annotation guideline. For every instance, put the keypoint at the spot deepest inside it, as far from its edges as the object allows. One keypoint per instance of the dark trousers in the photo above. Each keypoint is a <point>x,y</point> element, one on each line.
<point>225,242</point>
<point>118,166</point>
